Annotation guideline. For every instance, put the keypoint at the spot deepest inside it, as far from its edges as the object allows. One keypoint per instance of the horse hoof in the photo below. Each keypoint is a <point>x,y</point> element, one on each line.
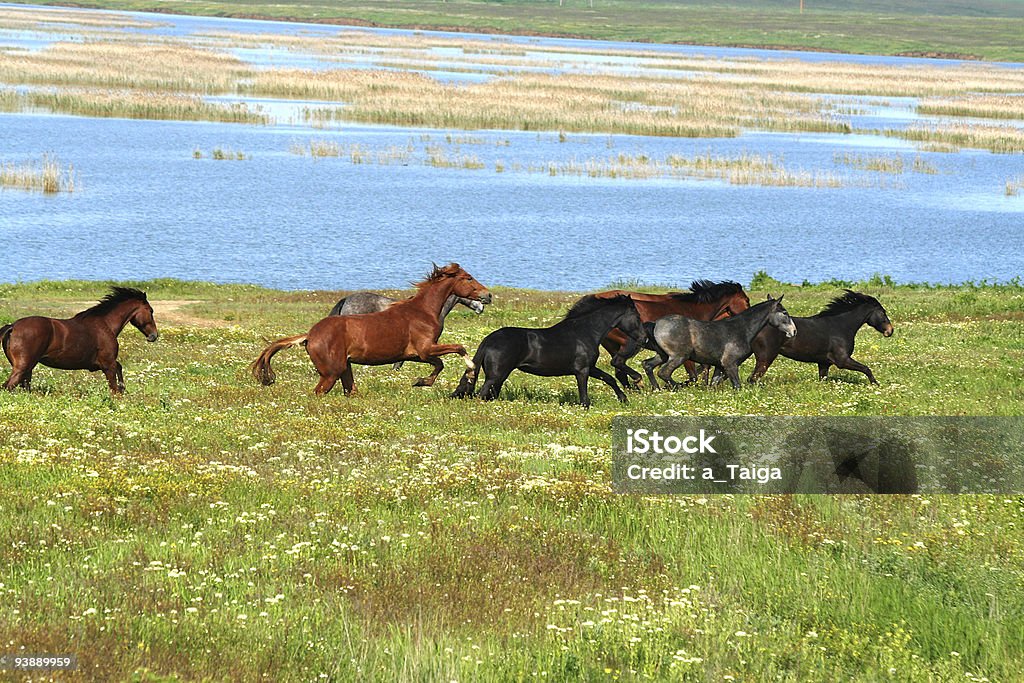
<point>422,382</point>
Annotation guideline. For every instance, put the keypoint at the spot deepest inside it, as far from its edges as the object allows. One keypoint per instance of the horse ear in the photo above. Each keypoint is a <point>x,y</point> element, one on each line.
<point>768,298</point>
<point>780,298</point>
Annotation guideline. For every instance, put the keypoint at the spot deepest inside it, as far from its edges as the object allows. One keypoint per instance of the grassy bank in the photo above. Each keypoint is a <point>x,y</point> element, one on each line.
<point>990,29</point>
<point>208,528</point>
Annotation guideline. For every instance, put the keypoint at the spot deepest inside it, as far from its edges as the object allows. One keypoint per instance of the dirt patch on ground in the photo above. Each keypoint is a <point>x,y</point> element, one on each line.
<point>170,312</point>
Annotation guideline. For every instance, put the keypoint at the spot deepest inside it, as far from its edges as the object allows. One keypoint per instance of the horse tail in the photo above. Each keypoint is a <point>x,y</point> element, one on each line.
<point>5,335</point>
<point>337,307</point>
<point>468,382</point>
<point>261,369</point>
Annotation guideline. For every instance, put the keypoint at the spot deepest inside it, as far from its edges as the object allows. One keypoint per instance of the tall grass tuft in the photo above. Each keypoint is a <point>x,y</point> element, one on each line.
<point>47,177</point>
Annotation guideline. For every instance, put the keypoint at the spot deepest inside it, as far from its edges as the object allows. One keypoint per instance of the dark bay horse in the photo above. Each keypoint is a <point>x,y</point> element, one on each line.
<point>723,344</point>
<point>706,300</point>
<point>358,303</point>
<point>569,347</point>
<point>406,330</point>
<point>826,338</point>
<point>88,341</point>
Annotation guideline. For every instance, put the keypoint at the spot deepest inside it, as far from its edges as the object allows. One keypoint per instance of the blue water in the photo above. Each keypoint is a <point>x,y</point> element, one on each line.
<point>145,208</point>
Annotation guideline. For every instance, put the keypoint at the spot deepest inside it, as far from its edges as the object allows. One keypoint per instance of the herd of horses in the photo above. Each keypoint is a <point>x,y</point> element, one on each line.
<point>711,326</point>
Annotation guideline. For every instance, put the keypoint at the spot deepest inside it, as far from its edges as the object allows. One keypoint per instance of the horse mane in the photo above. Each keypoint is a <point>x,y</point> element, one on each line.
<point>438,273</point>
<point>591,303</point>
<point>116,296</point>
<point>707,291</point>
<point>847,301</point>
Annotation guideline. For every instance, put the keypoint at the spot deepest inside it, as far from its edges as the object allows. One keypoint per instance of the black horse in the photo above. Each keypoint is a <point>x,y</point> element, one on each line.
<point>722,343</point>
<point>826,338</point>
<point>358,303</point>
<point>570,347</point>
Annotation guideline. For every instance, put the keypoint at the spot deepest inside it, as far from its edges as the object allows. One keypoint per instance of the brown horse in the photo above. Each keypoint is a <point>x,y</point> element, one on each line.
<point>706,300</point>
<point>405,330</point>
<point>87,341</point>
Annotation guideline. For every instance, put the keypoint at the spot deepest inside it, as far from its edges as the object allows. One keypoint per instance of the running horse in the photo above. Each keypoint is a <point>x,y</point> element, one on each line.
<point>88,341</point>
<point>705,301</point>
<point>405,330</point>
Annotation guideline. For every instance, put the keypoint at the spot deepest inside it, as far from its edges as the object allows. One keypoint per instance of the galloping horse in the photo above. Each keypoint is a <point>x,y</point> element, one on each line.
<point>405,330</point>
<point>707,300</point>
<point>87,341</point>
<point>723,344</point>
<point>569,347</point>
<point>372,302</point>
<point>826,338</point>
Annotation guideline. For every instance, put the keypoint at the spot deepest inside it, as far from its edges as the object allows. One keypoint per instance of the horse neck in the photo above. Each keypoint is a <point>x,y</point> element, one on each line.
<point>602,322</point>
<point>758,320</point>
<point>852,320</point>
<point>434,297</point>
<point>117,318</point>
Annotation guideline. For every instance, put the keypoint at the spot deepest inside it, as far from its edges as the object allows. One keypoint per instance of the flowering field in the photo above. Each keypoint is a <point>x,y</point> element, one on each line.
<point>207,528</point>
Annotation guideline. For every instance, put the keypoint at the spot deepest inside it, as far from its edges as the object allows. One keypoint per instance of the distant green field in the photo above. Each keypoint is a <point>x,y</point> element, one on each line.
<point>206,528</point>
<point>987,29</point>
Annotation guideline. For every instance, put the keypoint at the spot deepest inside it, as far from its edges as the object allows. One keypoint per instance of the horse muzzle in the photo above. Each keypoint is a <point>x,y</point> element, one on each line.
<point>152,337</point>
<point>476,306</point>
<point>485,299</point>
<point>888,331</point>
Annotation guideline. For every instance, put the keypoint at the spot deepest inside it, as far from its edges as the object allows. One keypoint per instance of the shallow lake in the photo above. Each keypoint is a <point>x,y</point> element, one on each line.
<point>144,207</point>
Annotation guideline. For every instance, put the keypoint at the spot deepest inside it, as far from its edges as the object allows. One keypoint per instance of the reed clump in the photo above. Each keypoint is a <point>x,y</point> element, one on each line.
<point>1014,186</point>
<point>1000,139</point>
<point>975,105</point>
<point>132,104</point>
<point>164,66</point>
<point>48,176</point>
<point>228,154</point>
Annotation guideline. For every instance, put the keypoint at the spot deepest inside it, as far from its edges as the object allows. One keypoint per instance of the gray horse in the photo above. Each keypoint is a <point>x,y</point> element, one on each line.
<point>723,344</point>
<point>358,303</point>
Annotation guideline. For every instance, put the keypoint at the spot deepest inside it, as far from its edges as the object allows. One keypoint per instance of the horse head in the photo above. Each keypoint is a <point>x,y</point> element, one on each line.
<point>779,318</point>
<point>465,286</point>
<point>142,319</point>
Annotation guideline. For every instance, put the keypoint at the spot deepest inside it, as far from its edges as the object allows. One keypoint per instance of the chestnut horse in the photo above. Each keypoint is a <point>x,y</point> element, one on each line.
<point>706,301</point>
<point>87,341</point>
<point>405,330</point>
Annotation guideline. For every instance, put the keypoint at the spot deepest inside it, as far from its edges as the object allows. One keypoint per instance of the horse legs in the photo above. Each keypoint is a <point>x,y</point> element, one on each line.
<point>20,376</point>
<point>347,381</point>
<point>325,384</point>
<point>582,378</point>
<point>650,364</point>
<point>610,381</point>
<point>429,381</point>
<point>733,372</point>
<point>763,362</point>
<point>120,375</point>
<point>111,372</point>
<point>665,373</point>
<point>629,377</point>
<point>823,369</point>
<point>848,363</point>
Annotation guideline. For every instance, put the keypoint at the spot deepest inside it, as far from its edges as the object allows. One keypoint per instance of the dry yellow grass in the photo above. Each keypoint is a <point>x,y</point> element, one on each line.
<point>982,106</point>
<point>47,176</point>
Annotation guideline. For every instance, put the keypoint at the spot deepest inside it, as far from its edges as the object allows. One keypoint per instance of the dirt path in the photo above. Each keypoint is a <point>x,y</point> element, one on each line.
<point>169,312</point>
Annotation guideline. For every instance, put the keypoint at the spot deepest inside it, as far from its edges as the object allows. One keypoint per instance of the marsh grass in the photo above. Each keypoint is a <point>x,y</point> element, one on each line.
<point>133,104</point>
<point>204,524</point>
<point>1014,186</point>
<point>47,176</point>
<point>980,106</point>
<point>892,164</point>
<point>951,137</point>
<point>228,154</point>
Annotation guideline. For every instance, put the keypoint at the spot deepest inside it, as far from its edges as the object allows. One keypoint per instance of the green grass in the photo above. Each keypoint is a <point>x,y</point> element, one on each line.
<point>988,29</point>
<point>206,528</point>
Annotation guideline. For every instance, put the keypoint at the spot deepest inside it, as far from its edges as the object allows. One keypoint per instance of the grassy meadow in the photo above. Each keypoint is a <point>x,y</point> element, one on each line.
<point>203,527</point>
<point>986,29</point>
